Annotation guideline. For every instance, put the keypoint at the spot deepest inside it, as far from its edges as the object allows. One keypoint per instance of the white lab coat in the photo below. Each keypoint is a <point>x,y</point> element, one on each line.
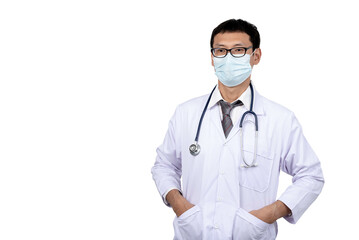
<point>222,191</point>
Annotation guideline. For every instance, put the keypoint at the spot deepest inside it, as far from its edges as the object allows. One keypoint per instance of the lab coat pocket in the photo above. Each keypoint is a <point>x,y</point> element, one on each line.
<point>190,224</point>
<point>255,178</point>
<point>247,227</point>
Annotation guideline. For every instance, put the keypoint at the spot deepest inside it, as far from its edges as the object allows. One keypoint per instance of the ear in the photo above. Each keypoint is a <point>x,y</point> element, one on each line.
<point>212,60</point>
<point>256,57</point>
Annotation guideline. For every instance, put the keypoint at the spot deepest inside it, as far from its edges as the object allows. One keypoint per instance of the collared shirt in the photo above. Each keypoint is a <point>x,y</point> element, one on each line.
<point>236,112</point>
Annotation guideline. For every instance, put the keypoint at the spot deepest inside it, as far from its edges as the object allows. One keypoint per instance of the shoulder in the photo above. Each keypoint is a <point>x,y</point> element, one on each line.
<point>277,113</point>
<point>191,109</point>
<point>188,112</point>
<point>271,107</point>
<point>193,104</point>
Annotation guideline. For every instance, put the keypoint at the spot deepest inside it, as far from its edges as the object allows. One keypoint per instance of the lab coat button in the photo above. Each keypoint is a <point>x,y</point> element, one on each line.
<point>216,226</point>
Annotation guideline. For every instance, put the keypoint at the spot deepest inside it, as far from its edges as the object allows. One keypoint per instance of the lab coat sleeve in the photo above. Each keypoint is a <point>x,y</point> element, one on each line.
<point>300,161</point>
<point>167,169</point>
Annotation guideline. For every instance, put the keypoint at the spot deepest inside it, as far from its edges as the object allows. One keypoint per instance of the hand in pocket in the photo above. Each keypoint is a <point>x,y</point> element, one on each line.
<point>248,227</point>
<point>190,224</point>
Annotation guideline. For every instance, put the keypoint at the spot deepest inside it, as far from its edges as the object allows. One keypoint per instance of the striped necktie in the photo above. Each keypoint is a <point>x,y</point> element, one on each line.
<point>226,110</point>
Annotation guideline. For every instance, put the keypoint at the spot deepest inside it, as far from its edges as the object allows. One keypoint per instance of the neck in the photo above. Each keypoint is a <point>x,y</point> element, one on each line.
<point>230,94</point>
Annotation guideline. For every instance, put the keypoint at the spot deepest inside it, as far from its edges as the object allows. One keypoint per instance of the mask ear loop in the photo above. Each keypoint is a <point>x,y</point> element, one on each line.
<point>253,52</point>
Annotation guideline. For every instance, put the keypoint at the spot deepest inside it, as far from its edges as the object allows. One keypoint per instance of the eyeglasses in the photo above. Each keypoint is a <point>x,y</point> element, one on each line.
<point>235,52</point>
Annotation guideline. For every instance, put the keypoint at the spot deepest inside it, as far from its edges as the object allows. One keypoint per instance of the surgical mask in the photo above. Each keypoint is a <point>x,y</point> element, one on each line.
<point>232,71</point>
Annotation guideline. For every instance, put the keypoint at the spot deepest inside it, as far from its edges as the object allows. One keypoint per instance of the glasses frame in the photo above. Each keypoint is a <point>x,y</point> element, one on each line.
<point>230,50</point>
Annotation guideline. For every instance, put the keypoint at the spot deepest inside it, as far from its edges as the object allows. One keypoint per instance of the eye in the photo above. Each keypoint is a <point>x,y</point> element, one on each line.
<point>219,52</point>
<point>238,50</point>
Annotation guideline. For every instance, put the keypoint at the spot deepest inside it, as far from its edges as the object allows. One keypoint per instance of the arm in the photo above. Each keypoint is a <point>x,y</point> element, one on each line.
<point>272,212</point>
<point>298,160</point>
<point>167,170</point>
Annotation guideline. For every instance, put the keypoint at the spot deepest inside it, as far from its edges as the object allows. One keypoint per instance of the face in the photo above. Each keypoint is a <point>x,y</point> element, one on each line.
<point>230,40</point>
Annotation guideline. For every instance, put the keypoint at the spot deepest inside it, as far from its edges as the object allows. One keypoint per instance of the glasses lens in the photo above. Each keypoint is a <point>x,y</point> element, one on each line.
<point>238,52</point>
<point>219,52</point>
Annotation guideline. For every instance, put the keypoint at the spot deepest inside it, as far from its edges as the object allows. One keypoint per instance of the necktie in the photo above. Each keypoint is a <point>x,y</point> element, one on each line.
<point>226,110</point>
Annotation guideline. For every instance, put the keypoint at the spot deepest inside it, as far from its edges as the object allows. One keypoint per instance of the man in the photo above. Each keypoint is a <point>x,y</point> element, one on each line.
<point>229,188</point>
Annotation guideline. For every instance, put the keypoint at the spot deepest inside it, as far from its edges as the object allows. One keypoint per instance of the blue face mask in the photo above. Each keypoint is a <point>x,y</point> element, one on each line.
<point>232,71</point>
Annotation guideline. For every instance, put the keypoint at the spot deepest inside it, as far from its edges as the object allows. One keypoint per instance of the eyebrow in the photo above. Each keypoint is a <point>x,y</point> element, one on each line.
<point>222,45</point>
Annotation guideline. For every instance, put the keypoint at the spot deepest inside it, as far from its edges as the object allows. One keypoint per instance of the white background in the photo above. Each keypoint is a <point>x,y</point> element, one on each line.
<point>87,89</point>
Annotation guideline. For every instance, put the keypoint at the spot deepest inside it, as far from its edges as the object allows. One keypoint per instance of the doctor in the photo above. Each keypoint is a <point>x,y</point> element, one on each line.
<point>230,173</point>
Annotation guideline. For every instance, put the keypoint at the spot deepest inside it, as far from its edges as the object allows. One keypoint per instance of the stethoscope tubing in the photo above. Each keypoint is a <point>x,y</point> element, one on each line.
<point>195,147</point>
<point>203,113</point>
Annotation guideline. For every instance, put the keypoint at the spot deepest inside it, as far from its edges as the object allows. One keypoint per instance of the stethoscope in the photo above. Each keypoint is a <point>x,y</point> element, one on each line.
<point>195,148</point>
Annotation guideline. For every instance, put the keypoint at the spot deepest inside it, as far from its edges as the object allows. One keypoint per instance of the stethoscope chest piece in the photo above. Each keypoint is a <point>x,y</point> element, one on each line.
<point>194,149</point>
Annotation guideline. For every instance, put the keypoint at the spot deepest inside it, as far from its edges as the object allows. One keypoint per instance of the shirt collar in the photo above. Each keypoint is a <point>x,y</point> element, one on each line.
<point>245,98</point>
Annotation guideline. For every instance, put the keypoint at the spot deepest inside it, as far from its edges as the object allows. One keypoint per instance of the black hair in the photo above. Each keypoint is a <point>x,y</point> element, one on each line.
<point>239,25</point>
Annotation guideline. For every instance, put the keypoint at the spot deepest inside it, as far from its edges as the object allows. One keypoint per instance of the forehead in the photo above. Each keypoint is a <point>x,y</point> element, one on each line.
<point>229,39</point>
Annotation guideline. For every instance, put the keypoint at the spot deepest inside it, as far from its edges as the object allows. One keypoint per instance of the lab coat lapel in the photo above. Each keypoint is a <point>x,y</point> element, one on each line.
<point>257,108</point>
<point>258,104</point>
<point>234,131</point>
<point>216,121</point>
